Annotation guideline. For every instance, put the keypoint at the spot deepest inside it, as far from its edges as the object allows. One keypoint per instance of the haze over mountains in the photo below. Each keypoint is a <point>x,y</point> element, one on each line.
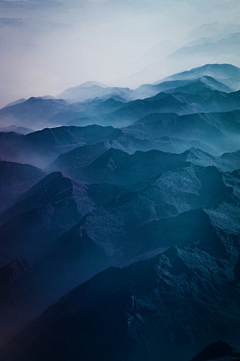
<point>120,223</point>
<point>129,44</point>
<point>210,42</point>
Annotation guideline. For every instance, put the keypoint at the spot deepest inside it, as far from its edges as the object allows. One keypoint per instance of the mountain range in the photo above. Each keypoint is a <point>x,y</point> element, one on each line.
<point>119,222</point>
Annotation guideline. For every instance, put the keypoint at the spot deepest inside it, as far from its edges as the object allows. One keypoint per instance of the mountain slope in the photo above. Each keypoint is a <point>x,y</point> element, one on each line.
<point>224,73</point>
<point>211,132</point>
<point>82,92</point>
<point>78,158</point>
<point>139,312</point>
<point>173,85</point>
<point>118,167</point>
<point>156,200</point>
<point>42,147</point>
<point>15,179</point>
<point>32,224</point>
<point>129,221</point>
<point>219,350</point>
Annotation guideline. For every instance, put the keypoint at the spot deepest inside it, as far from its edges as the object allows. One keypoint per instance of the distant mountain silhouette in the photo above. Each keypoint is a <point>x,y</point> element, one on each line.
<point>14,128</point>
<point>91,90</point>
<point>224,73</point>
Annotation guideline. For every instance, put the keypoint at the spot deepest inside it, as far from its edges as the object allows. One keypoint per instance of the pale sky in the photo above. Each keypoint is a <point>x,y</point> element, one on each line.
<point>47,46</point>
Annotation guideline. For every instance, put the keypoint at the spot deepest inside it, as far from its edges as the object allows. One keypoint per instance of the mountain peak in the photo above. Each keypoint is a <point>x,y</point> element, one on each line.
<point>214,351</point>
<point>89,84</point>
<point>216,71</point>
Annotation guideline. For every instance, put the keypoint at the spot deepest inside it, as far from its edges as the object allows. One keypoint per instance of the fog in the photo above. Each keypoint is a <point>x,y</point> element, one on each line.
<point>48,46</point>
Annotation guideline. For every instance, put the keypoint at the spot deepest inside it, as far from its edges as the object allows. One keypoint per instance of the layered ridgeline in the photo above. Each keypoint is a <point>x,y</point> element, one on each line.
<point>211,88</point>
<point>137,226</point>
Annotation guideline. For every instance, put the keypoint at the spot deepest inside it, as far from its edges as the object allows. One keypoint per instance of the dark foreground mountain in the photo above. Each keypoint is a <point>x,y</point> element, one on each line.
<point>139,312</point>
<point>120,221</point>
<point>33,222</point>
<point>130,220</point>
<point>28,231</point>
<point>217,351</point>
